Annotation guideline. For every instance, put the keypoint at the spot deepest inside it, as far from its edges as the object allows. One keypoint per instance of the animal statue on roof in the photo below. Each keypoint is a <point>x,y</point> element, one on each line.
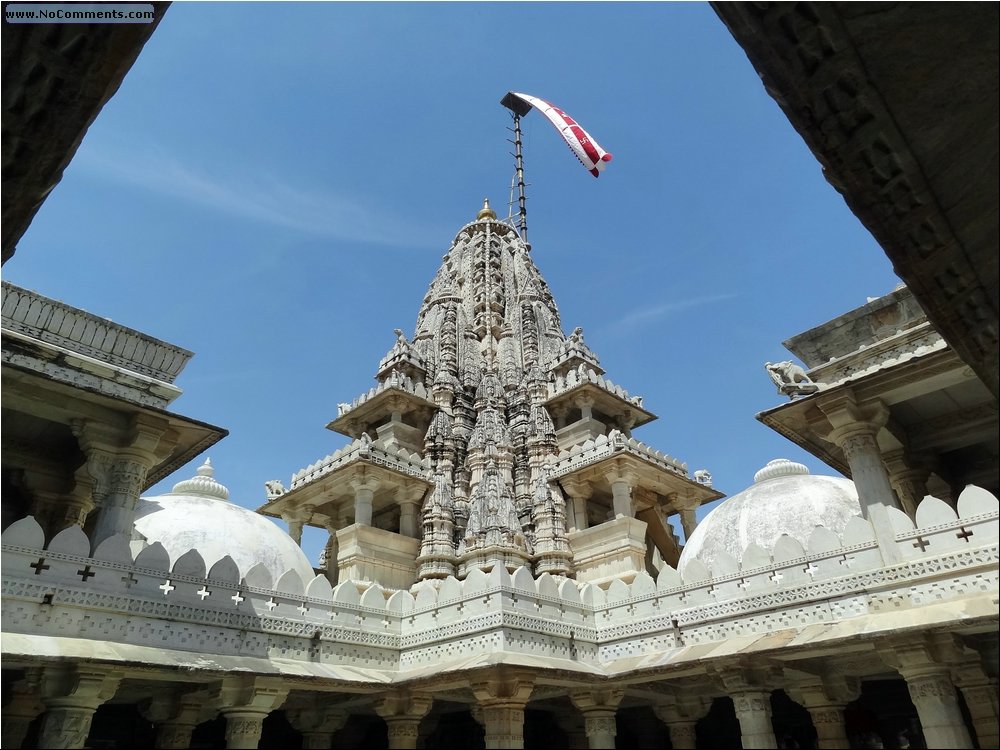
<point>790,378</point>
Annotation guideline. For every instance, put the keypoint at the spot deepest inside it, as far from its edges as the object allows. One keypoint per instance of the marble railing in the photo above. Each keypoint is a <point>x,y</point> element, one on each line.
<point>582,375</point>
<point>54,322</point>
<point>591,451</point>
<point>62,589</point>
<point>394,381</point>
<point>399,459</point>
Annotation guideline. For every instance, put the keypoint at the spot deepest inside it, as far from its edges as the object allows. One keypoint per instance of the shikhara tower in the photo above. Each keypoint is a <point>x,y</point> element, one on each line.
<point>491,437</point>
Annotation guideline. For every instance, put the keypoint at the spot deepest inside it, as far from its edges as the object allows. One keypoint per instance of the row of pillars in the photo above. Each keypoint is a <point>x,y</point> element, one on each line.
<point>407,498</point>
<point>68,696</point>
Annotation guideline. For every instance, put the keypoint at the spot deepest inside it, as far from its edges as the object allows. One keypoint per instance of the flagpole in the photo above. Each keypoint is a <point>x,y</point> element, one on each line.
<point>519,166</point>
<point>519,108</point>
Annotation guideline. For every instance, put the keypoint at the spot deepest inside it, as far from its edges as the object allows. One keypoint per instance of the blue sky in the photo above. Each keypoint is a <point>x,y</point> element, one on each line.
<point>274,185</point>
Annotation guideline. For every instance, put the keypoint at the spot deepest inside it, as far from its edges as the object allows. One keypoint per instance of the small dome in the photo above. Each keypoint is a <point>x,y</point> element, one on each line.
<point>784,499</point>
<point>197,514</point>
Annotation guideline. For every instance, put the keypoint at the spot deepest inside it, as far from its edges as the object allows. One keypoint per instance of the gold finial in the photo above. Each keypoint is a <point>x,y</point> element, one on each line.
<point>486,212</point>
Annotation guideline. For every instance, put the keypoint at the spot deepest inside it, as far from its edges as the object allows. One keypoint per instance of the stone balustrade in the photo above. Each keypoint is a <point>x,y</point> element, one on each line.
<point>63,590</point>
<point>394,382</point>
<point>599,448</point>
<point>582,375</point>
<point>399,459</point>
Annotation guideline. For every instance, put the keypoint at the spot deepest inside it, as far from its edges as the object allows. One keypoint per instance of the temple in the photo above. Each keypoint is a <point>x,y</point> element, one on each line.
<point>490,438</point>
<point>502,568</point>
<point>507,565</point>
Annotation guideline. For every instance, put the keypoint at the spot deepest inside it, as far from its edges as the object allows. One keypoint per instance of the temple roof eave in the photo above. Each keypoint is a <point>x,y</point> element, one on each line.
<point>604,399</point>
<point>376,404</point>
<point>648,471</point>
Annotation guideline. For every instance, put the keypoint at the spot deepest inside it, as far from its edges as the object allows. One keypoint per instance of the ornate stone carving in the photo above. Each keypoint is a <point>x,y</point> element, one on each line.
<point>790,378</point>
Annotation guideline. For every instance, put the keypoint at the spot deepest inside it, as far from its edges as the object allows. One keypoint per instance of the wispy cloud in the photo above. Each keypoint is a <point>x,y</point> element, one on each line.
<point>257,196</point>
<point>649,314</point>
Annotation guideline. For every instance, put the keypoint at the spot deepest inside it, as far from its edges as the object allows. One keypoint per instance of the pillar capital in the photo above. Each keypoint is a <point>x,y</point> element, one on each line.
<point>22,704</point>
<point>316,722</point>
<point>71,695</point>
<point>403,712</point>
<point>249,694</point>
<point>507,687</point>
<point>502,698</point>
<point>844,412</point>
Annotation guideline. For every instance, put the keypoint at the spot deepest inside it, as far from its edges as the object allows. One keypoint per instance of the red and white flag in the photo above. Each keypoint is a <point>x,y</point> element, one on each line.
<point>580,142</point>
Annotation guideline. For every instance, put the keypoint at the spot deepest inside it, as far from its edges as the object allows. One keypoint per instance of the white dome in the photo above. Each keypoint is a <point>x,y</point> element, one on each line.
<point>784,499</point>
<point>197,514</point>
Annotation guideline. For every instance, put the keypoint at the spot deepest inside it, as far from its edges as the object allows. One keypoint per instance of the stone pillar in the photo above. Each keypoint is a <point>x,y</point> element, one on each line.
<point>409,511</point>
<point>686,508</point>
<point>245,702</point>
<point>579,493</point>
<point>403,712</point>
<point>854,431</point>
<point>586,404</point>
<point>753,709</point>
<point>981,700</point>
<point>71,695</point>
<point>364,494</point>
<point>329,555</point>
<point>598,708</point>
<point>175,715</point>
<point>910,484</point>
<point>621,494</point>
<point>117,462</point>
<point>681,717</point>
<point>295,525</point>
<point>933,695</point>
<point>825,705</point>
<point>22,706</point>
<point>574,729</point>
<point>58,501</point>
<point>502,700</point>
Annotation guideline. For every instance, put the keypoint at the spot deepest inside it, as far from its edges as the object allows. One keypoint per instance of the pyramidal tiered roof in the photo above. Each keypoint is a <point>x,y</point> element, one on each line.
<point>469,402</point>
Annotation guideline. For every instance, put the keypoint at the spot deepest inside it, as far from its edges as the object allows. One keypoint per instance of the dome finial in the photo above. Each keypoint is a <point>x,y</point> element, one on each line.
<point>206,469</point>
<point>486,212</point>
<point>202,483</point>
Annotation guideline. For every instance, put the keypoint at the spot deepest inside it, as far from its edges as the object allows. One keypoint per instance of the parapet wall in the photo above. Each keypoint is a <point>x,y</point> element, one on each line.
<point>831,588</point>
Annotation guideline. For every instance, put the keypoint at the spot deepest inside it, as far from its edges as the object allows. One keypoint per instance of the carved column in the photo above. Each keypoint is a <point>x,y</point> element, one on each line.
<point>753,710</point>
<point>910,484</point>
<point>681,717</point>
<point>855,431</point>
<point>175,716</point>
<point>317,724</point>
<point>329,555</point>
<point>409,511</point>
<point>621,493</point>
<point>598,708</point>
<point>825,703</point>
<point>403,712</point>
<point>21,706</point>
<point>502,700</point>
<point>932,692</point>
<point>58,500</point>
<point>686,508</point>
<point>245,702</point>
<point>579,493</point>
<point>981,700</point>
<point>574,729</point>
<point>295,525</point>
<point>71,695</point>
<point>364,494</point>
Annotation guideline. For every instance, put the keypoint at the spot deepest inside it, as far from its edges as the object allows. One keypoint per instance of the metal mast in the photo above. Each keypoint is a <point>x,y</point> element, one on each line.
<point>519,108</point>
